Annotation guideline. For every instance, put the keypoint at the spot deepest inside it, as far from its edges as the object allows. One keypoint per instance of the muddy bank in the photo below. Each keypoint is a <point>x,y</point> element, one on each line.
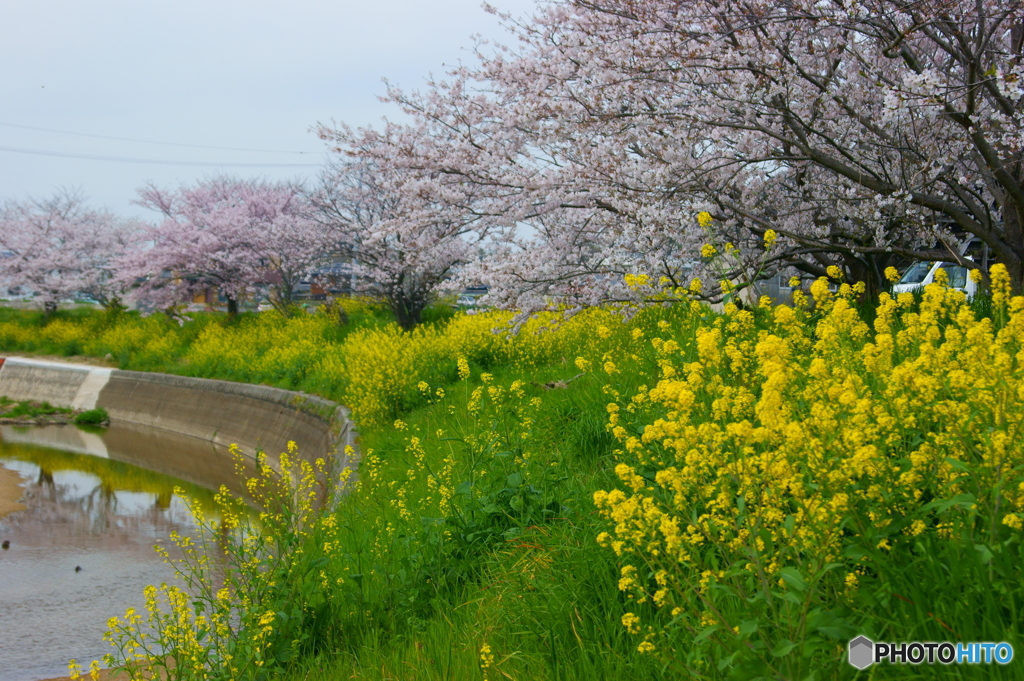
<point>105,675</point>
<point>11,492</point>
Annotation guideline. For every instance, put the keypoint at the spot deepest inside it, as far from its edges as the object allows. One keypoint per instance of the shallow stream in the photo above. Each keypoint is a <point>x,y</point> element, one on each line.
<point>92,506</point>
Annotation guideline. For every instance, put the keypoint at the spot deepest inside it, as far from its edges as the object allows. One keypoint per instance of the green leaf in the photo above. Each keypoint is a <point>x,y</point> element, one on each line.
<point>829,624</point>
<point>792,577</point>
<point>791,597</point>
<point>706,633</point>
<point>940,505</point>
<point>854,552</point>
<point>789,525</point>
<point>784,647</point>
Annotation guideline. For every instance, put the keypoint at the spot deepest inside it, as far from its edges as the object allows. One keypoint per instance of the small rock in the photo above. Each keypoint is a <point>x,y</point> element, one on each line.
<point>78,568</point>
<point>5,545</point>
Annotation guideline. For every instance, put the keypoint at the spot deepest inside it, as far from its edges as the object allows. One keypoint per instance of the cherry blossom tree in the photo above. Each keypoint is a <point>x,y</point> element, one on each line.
<point>853,131</point>
<point>229,235</point>
<point>60,248</point>
<point>809,135</point>
<point>402,243</point>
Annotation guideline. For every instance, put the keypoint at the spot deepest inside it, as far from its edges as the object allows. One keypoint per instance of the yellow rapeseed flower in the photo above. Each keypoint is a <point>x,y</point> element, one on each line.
<point>486,656</point>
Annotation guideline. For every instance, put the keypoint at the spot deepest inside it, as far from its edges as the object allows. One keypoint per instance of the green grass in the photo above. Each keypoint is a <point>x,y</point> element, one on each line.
<point>519,570</point>
<point>28,409</point>
<point>92,417</point>
<point>540,593</point>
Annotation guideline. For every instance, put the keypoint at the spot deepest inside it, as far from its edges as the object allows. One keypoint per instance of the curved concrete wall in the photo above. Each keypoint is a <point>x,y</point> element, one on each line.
<point>252,416</point>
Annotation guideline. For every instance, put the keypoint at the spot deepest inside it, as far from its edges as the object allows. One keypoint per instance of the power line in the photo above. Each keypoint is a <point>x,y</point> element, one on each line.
<point>169,144</point>
<point>122,159</point>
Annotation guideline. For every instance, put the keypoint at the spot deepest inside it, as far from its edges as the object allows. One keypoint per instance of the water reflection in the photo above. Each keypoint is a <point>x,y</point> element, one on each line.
<point>82,549</point>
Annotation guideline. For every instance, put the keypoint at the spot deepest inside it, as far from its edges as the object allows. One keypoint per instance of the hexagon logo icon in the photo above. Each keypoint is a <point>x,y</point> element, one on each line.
<point>861,652</point>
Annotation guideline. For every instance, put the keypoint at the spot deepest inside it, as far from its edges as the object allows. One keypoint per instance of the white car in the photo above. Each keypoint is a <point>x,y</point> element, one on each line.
<point>922,273</point>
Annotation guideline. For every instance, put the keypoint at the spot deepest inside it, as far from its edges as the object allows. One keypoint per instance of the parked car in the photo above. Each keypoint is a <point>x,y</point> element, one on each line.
<point>470,296</point>
<point>922,273</point>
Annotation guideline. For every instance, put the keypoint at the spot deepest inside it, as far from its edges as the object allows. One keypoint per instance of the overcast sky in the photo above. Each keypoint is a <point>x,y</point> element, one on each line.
<point>248,75</point>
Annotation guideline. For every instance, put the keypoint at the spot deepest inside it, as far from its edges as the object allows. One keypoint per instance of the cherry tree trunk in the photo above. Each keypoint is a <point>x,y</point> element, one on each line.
<point>408,313</point>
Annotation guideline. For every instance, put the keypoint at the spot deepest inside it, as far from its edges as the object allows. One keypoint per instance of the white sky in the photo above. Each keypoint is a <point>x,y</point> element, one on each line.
<point>251,75</point>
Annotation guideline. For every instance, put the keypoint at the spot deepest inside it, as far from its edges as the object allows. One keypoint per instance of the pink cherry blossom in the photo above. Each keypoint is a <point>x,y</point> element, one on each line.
<point>60,248</point>
<point>230,235</point>
<point>861,133</point>
<point>403,244</point>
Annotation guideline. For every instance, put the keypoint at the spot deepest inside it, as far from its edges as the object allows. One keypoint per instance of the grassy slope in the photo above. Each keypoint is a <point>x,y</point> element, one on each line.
<point>546,600</point>
<point>542,601</point>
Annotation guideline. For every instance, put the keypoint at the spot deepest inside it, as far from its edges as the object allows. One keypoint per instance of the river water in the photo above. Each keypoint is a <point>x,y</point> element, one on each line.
<point>81,550</point>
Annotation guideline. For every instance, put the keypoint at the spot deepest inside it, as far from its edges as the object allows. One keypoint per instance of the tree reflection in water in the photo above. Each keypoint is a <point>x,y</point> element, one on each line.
<point>101,514</point>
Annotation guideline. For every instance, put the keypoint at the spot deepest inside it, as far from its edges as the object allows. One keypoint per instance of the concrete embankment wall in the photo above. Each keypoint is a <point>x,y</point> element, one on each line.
<point>253,417</point>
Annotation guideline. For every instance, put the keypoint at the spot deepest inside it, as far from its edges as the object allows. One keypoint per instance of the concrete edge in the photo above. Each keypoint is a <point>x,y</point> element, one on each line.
<point>197,407</point>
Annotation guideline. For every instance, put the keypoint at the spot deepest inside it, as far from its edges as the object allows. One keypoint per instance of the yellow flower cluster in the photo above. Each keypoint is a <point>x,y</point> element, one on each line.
<point>383,370</point>
<point>380,369</point>
<point>227,619</point>
<point>770,448</point>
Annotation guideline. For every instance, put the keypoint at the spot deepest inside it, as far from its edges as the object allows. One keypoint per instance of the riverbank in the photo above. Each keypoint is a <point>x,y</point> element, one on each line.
<point>253,417</point>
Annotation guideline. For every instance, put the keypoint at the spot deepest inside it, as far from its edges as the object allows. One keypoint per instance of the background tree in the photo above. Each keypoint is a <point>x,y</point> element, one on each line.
<point>848,134</point>
<point>402,244</point>
<point>230,235</point>
<point>60,248</point>
<point>854,132</point>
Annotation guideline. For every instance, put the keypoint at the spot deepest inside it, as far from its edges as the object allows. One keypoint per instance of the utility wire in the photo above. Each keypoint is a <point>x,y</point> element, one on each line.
<point>122,159</point>
<point>169,144</point>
